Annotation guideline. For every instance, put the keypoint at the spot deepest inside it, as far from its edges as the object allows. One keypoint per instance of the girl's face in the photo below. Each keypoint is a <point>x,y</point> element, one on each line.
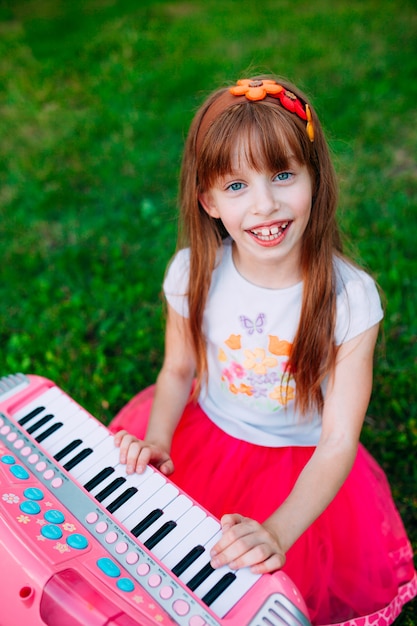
<point>266,214</point>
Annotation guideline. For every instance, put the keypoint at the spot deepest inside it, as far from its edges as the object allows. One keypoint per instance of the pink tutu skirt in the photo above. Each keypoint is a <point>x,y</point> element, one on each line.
<point>353,566</point>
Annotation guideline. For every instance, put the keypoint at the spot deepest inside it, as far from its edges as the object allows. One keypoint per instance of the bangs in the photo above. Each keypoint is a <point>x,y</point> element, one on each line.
<point>263,136</point>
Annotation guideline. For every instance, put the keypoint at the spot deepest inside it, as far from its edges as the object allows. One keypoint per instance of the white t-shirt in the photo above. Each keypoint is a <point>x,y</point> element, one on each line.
<point>249,331</point>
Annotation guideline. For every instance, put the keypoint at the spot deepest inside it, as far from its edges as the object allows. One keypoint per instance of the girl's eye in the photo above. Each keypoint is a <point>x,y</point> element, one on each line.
<point>283,176</point>
<point>235,186</point>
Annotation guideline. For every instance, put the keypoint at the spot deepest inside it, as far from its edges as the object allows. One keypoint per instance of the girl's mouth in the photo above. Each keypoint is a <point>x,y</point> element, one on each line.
<point>270,233</point>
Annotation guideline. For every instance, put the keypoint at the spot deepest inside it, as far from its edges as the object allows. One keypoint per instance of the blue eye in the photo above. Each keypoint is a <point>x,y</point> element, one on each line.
<point>235,186</point>
<point>283,176</point>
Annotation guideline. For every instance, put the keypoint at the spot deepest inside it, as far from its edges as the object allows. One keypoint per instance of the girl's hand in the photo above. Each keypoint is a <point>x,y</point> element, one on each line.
<point>245,542</point>
<point>136,454</point>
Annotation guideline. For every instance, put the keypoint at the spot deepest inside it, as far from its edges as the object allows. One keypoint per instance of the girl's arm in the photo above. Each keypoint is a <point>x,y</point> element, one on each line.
<point>244,541</point>
<point>172,392</point>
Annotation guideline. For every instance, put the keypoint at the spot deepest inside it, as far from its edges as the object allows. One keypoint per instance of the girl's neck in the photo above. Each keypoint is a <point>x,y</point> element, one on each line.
<point>271,275</point>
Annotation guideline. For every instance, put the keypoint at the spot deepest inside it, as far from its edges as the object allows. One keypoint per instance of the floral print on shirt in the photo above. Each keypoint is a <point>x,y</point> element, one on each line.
<point>254,372</point>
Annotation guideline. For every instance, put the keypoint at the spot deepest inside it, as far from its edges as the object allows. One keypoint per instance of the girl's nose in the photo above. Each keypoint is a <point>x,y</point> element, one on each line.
<point>265,201</point>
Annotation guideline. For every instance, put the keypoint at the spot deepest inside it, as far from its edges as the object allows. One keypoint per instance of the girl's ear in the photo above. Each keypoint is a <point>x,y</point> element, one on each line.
<point>208,205</point>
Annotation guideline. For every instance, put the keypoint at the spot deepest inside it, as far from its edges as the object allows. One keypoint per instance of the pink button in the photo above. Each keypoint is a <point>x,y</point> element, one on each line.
<point>143,569</point>
<point>49,474</point>
<point>4,430</point>
<point>34,458</point>
<point>154,580</point>
<point>166,592</point>
<point>101,527</point>
<point>132,558</point>
<point>12,437</point>
<point>197,620</point>
<point>121,547</point>
<point>19,444</point>
<point>111,537</point>
<point>181,607</point>
<point>26,451</point>
<point>91,518</point>
<point>56,483</point>
<point>41,466</point>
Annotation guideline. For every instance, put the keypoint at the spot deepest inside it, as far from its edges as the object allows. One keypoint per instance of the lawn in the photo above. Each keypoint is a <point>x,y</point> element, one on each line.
<point>95,102</point>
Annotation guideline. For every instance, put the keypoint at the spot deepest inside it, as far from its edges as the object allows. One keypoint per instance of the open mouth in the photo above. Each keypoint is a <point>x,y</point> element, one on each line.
<point>269,233</point>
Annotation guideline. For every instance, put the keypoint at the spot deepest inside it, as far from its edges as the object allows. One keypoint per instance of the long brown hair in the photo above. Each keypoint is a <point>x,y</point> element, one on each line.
<point>270,135</point>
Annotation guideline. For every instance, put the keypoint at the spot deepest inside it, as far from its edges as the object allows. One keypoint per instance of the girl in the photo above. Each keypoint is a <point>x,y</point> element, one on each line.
<point>267,375</point>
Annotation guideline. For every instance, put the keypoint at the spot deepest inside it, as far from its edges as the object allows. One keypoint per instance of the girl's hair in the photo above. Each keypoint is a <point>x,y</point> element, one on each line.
<point>269,135</point>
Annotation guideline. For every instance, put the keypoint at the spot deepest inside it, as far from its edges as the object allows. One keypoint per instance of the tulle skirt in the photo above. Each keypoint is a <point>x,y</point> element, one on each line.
<point>353,566</point>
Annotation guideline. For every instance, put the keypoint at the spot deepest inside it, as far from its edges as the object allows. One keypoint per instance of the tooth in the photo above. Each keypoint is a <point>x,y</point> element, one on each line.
<point>274,230</point>
<point>265,232</point>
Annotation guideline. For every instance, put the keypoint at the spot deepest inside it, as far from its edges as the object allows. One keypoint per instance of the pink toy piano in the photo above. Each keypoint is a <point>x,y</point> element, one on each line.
<point>84,544</point>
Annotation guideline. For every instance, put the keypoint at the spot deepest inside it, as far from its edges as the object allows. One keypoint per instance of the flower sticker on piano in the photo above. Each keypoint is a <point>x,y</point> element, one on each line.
<point>61,547</point>
<point>23,519</point>
<point>10,498</point>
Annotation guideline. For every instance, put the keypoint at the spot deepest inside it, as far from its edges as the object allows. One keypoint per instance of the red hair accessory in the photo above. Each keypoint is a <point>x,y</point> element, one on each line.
<point>255,90</point>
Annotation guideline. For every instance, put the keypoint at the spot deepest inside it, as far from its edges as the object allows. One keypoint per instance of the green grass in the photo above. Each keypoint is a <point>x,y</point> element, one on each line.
<point>96,101</point>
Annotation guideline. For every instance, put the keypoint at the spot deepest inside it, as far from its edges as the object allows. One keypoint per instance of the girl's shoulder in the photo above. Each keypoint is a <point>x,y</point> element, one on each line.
<point>358,303</point>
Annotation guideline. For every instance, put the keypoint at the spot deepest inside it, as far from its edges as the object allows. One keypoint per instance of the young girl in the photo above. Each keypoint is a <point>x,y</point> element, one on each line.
<point>267,374</point>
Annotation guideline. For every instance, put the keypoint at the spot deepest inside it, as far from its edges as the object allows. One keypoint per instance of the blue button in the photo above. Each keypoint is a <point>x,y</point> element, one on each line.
<point>51,532</point>
<point>8,459</point>
<point>19,472</point>
<point>108,567</point>
<point>125,584</point>
<point>33,493</point>
<point>77,541</point>
<point>30,507</point>
<point>54,516</point>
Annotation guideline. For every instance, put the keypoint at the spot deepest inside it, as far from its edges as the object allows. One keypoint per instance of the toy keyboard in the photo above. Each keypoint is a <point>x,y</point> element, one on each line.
<point>84,544</point>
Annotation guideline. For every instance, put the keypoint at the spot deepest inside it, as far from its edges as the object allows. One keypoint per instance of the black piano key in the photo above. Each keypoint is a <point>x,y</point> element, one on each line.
<point>98,478</point>
<point>160,534</point>
<point>107,491</point>
<point>124,497</point>
<point>218,588</point>
<point>29,416</point>
<point>78,458</point>
<point>49,431</point>
<point>146,522</point>
<point>189,558</point>
<point>200,577</point>
<point>44,420</point>
<point>68,448</point>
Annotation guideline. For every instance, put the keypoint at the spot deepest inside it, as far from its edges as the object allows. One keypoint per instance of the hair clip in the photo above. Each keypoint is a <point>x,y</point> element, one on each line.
<point>255,90</point>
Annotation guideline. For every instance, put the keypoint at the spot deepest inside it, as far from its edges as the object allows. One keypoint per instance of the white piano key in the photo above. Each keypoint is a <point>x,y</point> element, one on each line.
<point>171,512</point>
<point>201,535</point>
<point>245,579</point>
<point>202,560</point>
<point>158,500</point>
<point>101,442</point>
<point>59,411</point>
<point>151,484</point>
<point>90,441</point>
<point>43,400</point>
<point>186,524</point>
<point>75,424</point>
<point>110,460</point>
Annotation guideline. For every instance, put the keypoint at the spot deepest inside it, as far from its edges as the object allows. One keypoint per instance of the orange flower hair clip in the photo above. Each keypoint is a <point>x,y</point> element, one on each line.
<point>255,90</point>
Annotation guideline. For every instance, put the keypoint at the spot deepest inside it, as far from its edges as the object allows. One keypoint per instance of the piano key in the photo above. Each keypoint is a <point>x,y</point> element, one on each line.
<point>98,478</point>
<point>74,421</point>
<point>225,581</point>
<point>32,421</point>
<point>187,560</point>
<point>42,400</point>
<point>122,499</point>
<point>202,560</point>
<point>244,580</point>
<point>111,460</point>
<point>197,538</point>
<point>160,534</point>
<point>202,575</point>
<point>186,525</point>
<point>160,499</point>
<point>148,483</point>
<point>91,443</point>
<point>172,511</point>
